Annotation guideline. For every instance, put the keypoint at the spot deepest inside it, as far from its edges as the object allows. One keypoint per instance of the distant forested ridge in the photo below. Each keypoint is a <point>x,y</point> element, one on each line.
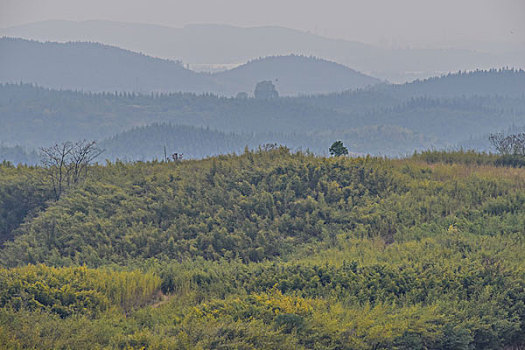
<point>295,74</point>
<point>267,249</point>
<point>221,45</point>
<point>100,68</point>
<point>18,155</point>
<point>148,142</point>
<point>390,119</point>
<point>158,140</point>
<point>499,82</point>
<point>93,67</point>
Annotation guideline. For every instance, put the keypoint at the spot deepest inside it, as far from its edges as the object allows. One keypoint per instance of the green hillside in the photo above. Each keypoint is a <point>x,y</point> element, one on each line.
<point>267,250</point>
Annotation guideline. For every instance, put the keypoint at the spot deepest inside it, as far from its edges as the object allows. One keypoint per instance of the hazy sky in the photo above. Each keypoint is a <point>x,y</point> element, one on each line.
<point>385,22</point>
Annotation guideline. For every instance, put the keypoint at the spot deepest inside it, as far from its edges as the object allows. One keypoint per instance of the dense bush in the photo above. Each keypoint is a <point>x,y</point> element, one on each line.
<point>471,158</point>
<point>22,194</point>
<point>272,250</point>
<point>74,290</point>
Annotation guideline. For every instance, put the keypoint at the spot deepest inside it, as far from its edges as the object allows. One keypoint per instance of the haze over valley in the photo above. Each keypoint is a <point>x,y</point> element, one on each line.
<point>210,45</point>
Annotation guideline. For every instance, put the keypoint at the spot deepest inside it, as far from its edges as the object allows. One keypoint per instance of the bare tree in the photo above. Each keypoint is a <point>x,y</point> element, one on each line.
<point>67,163</point>
<point>56,158</point>
<point>84,152</point>
<point>508,145</point>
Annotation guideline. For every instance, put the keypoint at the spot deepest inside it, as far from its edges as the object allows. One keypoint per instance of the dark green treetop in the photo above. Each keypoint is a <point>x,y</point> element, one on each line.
<point>338,149</point>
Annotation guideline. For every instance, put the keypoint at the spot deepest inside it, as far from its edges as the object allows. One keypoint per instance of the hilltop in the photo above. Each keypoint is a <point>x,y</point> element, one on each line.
<point>95,67</point>
<point>216,44</point>
<point>292,74</point>
<point>268,249</point>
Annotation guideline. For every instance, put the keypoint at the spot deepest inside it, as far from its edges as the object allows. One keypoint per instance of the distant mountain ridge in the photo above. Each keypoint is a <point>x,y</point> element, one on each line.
<point>388,119</point>
<point>93,67</point>
<point>97,67</point>
<point>149,142</point>
<point>495,81</point>
<point>223,44</point>
<point>315,75</point>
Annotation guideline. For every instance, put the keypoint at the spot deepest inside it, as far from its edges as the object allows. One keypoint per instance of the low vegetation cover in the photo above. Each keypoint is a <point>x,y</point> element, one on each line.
<point>267,250</point>
<point>74,290</point>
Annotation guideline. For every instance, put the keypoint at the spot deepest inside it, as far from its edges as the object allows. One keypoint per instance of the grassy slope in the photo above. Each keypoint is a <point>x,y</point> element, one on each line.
<point>273,250</point>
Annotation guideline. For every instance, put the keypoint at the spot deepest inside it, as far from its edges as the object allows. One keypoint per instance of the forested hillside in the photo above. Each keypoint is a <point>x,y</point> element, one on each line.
<point>386,120</point>
<point>295,75</point>
<point>94,67</point>
<point>205,44</point>
<point>240,175</point>
<point>267,249</point>
<point>498,84</point>
<point>146,143</point>
<point>501,82</point>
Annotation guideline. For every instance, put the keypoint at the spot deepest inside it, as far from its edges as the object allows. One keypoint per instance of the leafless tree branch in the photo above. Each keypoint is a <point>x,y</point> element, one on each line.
<point>67,163</point>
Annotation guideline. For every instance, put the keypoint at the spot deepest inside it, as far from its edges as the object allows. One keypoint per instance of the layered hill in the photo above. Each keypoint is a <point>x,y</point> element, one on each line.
<point>500,82</point>
<point>149,142</point>
<point>389,120</point>
<point>493,83</point>
<point>292,74</point>
<point>211,45</point>
<point>96,67</point>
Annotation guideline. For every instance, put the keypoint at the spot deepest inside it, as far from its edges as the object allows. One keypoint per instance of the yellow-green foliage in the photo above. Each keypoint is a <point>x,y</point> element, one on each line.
<point>73,290</point>
<point>272,250</point>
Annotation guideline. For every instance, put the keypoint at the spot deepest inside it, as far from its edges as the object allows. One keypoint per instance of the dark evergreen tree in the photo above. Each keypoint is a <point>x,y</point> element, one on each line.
<point>338,149</point>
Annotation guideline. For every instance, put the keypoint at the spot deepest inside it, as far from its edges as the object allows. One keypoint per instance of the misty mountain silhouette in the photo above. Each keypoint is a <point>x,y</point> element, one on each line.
<point>97,67</point>
<point>225,44</point>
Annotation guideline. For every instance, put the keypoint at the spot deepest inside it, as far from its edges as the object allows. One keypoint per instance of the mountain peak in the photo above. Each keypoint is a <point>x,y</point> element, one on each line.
<point>99,67</point>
